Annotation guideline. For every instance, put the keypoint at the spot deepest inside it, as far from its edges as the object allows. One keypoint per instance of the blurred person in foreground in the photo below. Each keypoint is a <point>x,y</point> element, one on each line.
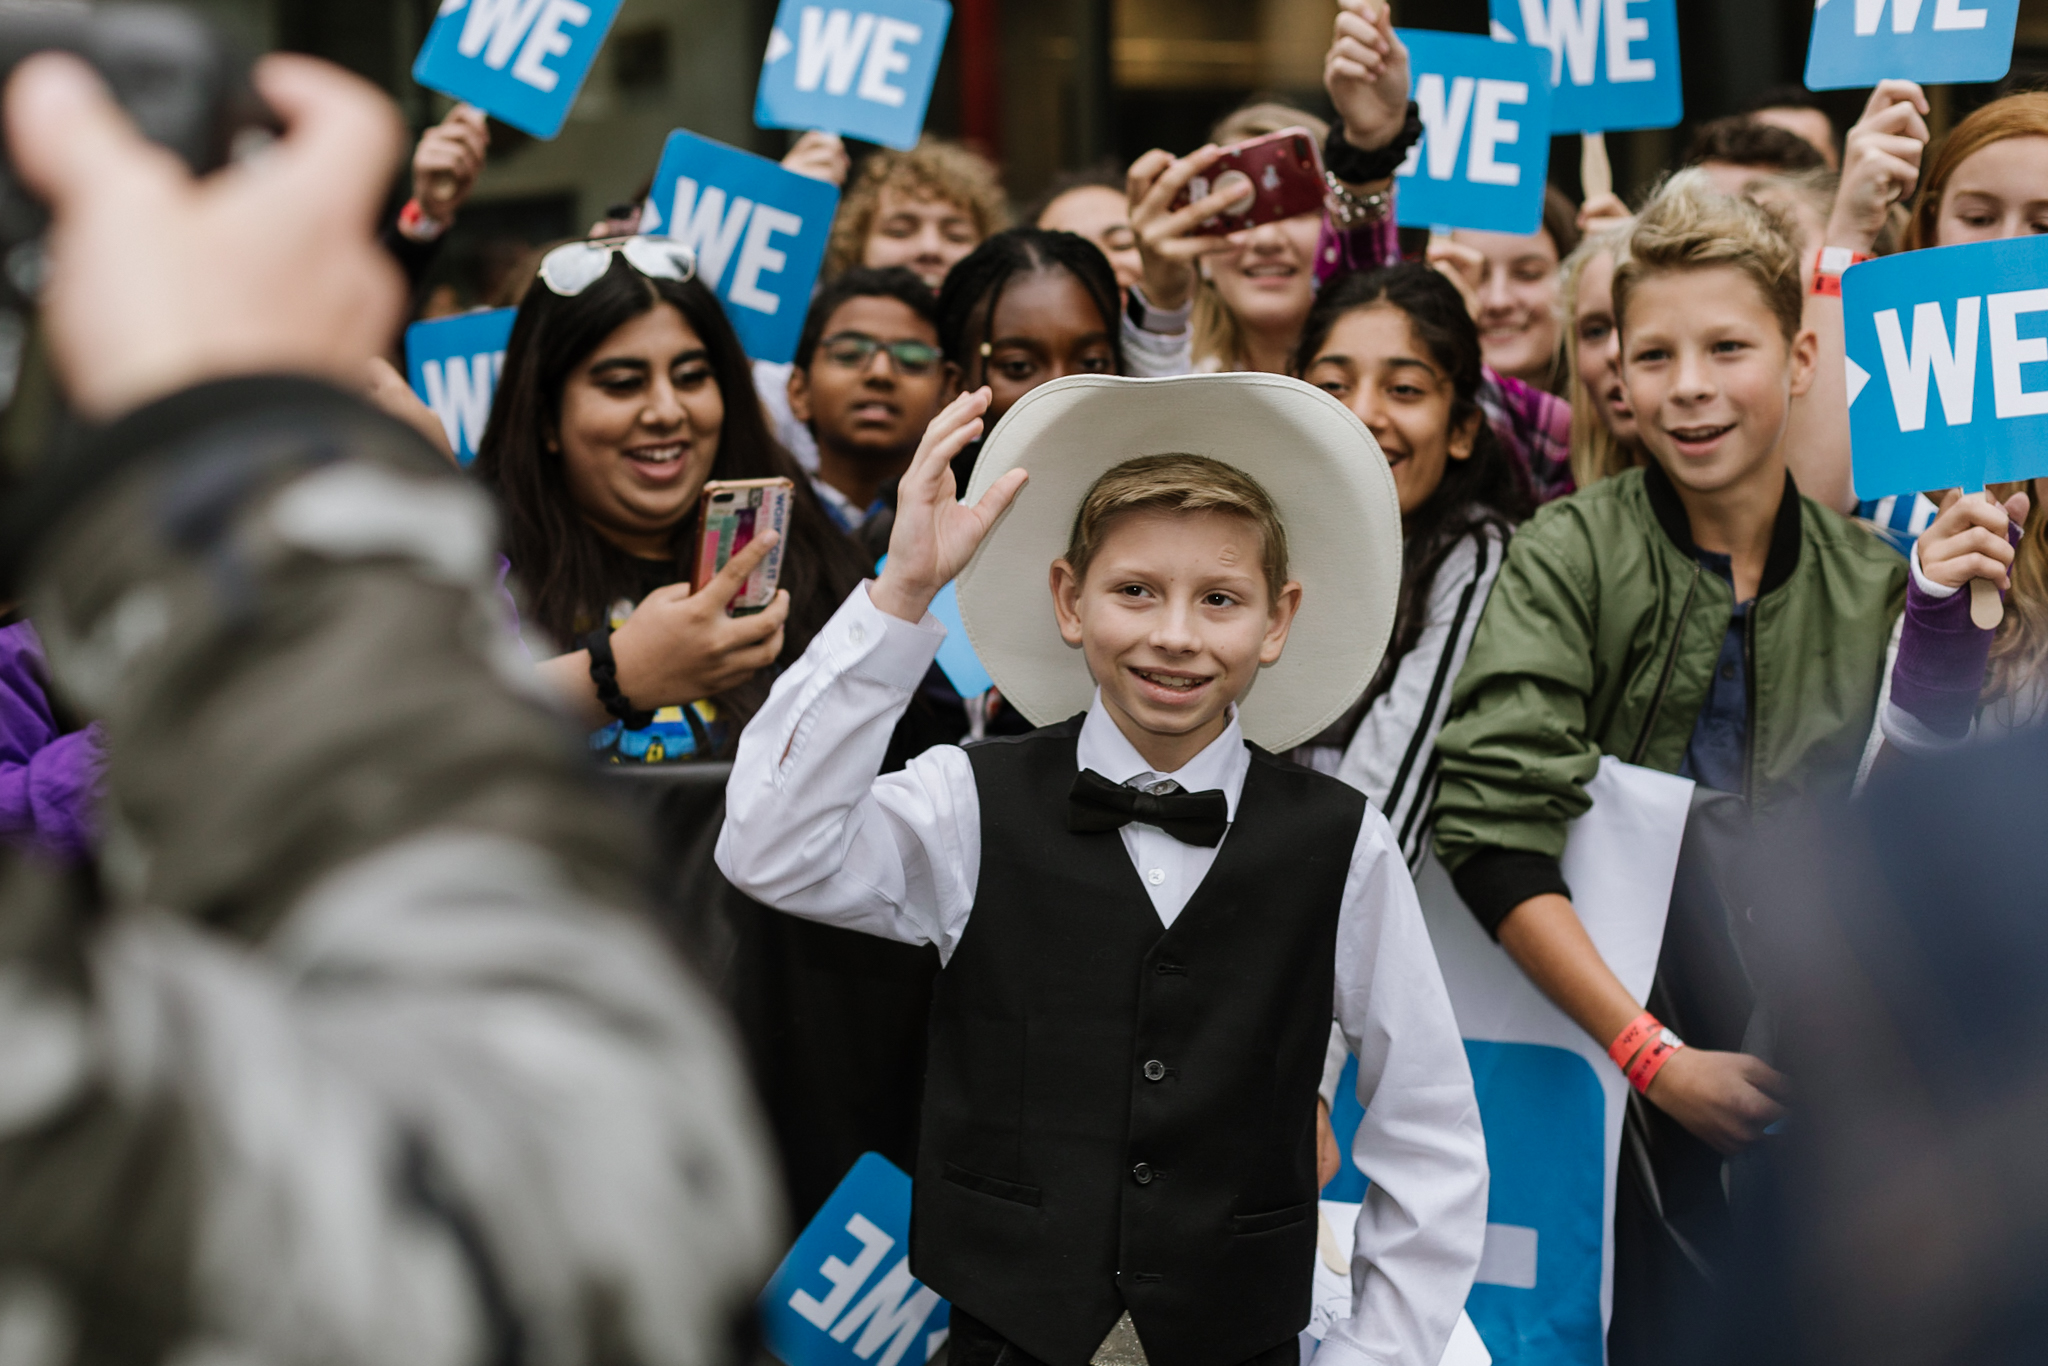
<point>354,1050</point>
<point>1900,1219</point>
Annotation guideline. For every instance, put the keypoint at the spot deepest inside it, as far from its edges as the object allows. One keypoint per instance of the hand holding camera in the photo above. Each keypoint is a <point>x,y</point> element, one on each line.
<point>159,281</point>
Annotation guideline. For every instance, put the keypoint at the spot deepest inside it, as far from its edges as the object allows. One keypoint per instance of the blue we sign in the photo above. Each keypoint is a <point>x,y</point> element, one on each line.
<point>522,60</point>
<point>454,365</point>
<point>759,233</point>
<point>865,71</point>
<point>1857,43</point>
<point>844,1295</point>
<point>1485,146</point>
<point>1948,367</point>
<point>1613,63</point>
<point>1536,1301</point>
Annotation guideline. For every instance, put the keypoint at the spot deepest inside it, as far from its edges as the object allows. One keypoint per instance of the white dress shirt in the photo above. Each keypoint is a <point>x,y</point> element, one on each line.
<point>810,829</point>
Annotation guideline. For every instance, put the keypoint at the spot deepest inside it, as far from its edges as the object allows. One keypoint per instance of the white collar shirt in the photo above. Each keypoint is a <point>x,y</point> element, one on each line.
<point>1170,869</point>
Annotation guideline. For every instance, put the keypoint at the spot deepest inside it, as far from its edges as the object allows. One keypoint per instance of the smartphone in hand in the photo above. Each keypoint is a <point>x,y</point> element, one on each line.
<point>732,514</point>
<point>1280,174</point>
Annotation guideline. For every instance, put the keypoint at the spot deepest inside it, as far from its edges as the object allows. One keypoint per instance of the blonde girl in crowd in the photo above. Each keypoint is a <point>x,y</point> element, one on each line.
<point>1604,435</point>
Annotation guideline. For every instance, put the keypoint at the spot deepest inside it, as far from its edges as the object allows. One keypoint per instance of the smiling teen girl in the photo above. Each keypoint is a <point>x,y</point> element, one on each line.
<point>1398,348</point>
<point>619,401</point>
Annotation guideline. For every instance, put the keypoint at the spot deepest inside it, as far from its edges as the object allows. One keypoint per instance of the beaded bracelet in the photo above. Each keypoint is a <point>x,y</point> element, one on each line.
<point>604,671</point>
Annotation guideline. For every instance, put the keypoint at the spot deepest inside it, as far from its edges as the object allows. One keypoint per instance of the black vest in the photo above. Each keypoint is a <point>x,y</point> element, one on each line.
<point>1121,1115</point>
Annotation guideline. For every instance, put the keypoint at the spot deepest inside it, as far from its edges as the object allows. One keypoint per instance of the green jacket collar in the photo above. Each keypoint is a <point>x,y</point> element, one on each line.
<point>1670,513</point>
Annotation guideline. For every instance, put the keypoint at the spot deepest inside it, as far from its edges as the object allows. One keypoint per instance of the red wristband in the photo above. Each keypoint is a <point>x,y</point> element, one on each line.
<point>1828,266</point>
<point>414,225</point>
<point>1660,1051</point>
<point>1630,1041</point>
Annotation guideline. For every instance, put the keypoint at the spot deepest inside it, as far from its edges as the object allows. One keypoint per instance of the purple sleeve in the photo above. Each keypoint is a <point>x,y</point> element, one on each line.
<point>1938,677</point>
<point>58,790</point>
<point>1366,248</point>
<point>48,781</point>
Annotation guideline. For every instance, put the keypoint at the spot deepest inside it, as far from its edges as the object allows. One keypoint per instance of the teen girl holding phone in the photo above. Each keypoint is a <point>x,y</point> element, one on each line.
<point>625,390</point>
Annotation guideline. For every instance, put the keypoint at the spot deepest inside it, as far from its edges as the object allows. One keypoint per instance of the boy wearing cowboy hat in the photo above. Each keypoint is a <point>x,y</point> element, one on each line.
<point>1148,921</point>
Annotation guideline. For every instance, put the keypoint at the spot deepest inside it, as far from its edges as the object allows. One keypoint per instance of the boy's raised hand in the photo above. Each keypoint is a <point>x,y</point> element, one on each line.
<point>936,534</point>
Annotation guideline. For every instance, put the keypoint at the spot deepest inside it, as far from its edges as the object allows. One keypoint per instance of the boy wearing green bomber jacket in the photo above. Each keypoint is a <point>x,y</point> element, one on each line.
<point>1696,616</point>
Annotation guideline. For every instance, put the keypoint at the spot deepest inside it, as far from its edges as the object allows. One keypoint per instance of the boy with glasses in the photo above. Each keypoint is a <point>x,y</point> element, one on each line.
<point>868,380</point>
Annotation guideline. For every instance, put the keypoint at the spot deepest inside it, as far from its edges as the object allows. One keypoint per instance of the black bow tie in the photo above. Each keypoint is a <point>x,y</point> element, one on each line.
<point>1097,804</point>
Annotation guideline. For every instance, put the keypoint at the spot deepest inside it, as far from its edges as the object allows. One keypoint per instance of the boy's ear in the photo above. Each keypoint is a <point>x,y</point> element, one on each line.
<point>1805,359</point>
<point>800,394</point>
<point>1280,621</point>
<point>949,383</point>
<point>1465,437</point>
<point>1066,600</point>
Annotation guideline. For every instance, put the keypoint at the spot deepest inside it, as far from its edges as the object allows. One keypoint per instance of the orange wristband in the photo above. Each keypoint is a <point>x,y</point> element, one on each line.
<point>1630,1041</point>
<point>1660,1051</point>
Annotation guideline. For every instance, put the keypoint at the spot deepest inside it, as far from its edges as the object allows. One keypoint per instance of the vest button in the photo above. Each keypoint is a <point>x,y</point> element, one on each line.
<point>1142,1173</point>
<point>1155,1070</point>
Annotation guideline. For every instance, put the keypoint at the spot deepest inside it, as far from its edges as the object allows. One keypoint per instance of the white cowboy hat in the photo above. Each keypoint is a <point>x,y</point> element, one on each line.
<point>1322,468</point>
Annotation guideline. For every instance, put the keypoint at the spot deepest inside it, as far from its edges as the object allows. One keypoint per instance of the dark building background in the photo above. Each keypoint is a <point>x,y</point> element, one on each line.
<point>1041,85</point>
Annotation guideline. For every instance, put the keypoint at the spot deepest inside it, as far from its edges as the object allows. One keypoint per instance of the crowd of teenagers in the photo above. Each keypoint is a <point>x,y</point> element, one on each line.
<point>307,691</point>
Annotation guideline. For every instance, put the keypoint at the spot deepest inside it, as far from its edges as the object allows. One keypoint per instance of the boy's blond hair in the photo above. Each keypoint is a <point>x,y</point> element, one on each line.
<point>934,169</point>
<point>1178,483</point>
<point>1690,225</point>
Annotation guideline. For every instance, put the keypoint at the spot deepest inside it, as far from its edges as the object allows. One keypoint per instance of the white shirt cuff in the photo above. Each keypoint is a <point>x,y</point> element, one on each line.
<point>1166,322</point>
<point>863,639</point>
<point>1927,585</point>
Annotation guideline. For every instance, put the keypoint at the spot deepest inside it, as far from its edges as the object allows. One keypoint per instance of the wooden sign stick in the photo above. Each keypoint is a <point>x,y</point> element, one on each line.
<point>1986,608</point>
<point>1596,172</point>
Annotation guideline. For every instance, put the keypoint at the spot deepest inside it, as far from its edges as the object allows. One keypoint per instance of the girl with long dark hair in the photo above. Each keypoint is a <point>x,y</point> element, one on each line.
<point>1398,347</point>
<point>623,393</point>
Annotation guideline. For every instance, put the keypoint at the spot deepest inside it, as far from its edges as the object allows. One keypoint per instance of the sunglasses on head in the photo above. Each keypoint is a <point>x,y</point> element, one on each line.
<point>854,349</point>
<point>569,270</point>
